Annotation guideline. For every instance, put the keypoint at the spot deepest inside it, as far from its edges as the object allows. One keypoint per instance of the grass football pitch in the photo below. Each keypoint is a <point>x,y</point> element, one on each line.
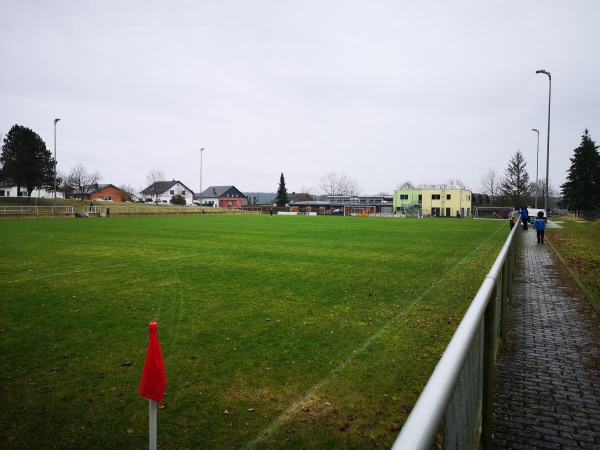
<point>277,332</point>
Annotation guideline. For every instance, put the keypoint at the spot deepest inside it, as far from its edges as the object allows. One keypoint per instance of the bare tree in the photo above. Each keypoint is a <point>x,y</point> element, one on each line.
<point>491,184</point>
<point>155,176</point>
<point>406,185</point>
<point>82,181</point>
<point>62,181</point>
<point>456,182</point>
<point>128,190</point>
<point>335,183</point>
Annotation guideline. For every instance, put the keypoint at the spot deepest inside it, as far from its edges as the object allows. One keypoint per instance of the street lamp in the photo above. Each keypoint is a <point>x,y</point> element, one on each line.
<point>55,120</point>
<point>548,141</point>
<point>200,195</point>
<point>537,163</point>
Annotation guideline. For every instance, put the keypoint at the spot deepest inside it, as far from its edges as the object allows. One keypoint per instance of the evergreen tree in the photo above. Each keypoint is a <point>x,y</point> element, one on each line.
<point>26,160</point>
<point>581,191</point>
<point>515,185</point>
<point>282,198</point>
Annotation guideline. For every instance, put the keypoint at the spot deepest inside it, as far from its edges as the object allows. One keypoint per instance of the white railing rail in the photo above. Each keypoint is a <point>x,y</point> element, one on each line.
<point>37,210</point>
<point>100,209</point>
<point>459,393</point>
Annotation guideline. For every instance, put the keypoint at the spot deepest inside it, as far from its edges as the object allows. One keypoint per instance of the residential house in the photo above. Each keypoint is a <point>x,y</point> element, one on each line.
<point>439,201</point>
<point>221,197</point>
<point>163,191</point>
<point>109,193</point>
<point>8,188</point>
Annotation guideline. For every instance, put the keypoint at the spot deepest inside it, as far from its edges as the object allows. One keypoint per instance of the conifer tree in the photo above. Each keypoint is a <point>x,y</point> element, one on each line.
<point>581,191</point>
<point>282,197</point>
<point>25,158</point>
<point>515,185</point>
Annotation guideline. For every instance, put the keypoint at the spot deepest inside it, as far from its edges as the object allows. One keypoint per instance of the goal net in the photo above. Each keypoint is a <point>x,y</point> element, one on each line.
<point>361,211</point>
<point>494,212</point>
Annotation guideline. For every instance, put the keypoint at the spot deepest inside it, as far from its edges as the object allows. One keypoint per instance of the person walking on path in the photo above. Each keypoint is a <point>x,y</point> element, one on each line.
<point>547,392</point>
<point>524,217</point>
<point>539,224</point>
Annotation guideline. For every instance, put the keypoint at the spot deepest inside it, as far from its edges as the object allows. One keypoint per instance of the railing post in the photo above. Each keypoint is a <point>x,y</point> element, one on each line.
<point>504,296</point>
<point>489,353</point>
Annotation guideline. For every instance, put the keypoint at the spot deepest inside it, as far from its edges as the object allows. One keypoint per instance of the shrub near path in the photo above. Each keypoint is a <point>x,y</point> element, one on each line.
<point>576,243</point>
<point>276,331</point>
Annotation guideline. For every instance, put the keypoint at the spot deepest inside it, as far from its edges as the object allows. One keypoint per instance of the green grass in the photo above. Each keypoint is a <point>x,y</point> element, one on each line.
<point>277,332</point>
<point>577,245</point>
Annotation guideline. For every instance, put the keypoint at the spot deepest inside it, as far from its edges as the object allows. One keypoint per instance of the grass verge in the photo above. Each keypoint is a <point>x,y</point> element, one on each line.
<point>577,245</point>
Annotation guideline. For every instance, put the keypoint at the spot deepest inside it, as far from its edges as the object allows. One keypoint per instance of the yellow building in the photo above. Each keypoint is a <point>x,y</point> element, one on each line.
<point>442,202</point>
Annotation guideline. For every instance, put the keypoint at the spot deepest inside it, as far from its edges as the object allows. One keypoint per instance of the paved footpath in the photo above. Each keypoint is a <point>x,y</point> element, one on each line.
<point>548,370</point>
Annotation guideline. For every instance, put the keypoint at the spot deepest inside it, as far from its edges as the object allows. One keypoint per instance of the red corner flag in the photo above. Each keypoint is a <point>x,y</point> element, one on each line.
<point>154,377</point>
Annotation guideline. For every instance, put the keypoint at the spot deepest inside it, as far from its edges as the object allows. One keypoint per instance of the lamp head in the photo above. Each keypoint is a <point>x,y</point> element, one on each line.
<point>56,120</point>
<point>543,71</point>
<point>533,129</point>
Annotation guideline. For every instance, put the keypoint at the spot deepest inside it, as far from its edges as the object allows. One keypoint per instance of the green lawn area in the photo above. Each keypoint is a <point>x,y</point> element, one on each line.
<point>577,245</point>
<point>277,332</point>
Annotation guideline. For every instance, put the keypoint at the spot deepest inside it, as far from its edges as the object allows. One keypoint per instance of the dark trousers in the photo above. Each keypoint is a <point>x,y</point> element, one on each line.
<point>540,236</point>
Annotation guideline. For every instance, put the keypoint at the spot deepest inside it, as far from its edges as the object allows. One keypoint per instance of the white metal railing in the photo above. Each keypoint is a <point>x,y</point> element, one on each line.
<point>460,391</point>
<point>38,210</point>
<point>151,209</point>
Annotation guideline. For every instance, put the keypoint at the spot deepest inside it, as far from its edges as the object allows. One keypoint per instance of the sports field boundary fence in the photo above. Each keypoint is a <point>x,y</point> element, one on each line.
<point>95,211</point>
<point>8,211</point>
<point>27,211</point>
<point>458,399</point>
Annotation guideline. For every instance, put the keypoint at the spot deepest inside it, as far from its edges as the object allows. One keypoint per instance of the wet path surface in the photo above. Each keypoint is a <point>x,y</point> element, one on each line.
<point>548,369</point>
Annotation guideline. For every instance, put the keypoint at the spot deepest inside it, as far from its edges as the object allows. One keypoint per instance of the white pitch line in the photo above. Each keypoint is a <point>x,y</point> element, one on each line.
<point>293,409</point>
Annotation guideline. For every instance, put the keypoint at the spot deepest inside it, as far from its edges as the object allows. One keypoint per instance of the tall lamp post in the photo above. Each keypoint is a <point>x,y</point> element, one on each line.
<point>200,195</point>
<point>548,141</point>
<point>55,120</point>
<point>537,164</point>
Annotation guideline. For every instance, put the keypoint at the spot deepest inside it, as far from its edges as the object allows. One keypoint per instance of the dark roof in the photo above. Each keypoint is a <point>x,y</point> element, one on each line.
<point>162,186</point>
<point>220,191</point>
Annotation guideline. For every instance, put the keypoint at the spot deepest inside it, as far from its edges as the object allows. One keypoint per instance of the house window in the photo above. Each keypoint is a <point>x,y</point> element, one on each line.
<point>108,198</point>
<point>182,192</point>
<point>448,196</point>
<point>172,192</point>
<point>403,196</point>
<point>435,196</point>
<point>1,193</point>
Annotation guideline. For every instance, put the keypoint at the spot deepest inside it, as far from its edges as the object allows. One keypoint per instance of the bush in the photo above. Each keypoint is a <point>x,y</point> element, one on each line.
<point>178,200</point>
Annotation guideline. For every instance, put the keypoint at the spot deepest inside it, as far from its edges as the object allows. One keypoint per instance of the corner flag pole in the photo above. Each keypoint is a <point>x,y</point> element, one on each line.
<point>154,380</point>
<point>152,424</point>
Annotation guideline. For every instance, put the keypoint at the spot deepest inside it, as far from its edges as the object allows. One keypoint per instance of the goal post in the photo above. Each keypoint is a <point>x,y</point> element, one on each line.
<point>361,211</point>
<point>494,212</point>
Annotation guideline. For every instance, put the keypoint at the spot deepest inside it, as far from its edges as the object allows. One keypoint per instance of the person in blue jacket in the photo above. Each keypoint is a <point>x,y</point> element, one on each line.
<point>539,225</point>
<point>524,217</point>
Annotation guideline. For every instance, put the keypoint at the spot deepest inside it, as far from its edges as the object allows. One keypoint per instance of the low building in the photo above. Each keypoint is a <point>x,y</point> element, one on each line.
<point>8,188</point>
<point>221,197</point>
<point>335,204</point>
<point>439,201</point>
<point>109,193</point>
<point>163,191</point>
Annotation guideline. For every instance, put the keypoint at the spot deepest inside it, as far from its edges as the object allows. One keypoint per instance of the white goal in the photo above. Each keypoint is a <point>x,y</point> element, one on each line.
<point>361,211</point>
<point>494,212</point>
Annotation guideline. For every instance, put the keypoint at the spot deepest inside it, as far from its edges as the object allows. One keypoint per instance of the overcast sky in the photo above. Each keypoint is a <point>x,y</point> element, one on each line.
<point>383,91</point>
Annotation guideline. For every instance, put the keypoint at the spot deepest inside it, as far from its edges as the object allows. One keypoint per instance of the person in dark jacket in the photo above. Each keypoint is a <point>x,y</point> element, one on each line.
<point>539,225</point>
<point>524,217</point>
